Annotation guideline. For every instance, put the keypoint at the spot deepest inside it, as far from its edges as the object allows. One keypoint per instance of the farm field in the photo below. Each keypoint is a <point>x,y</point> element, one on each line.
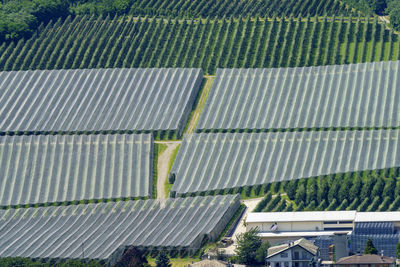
<point>363,95</point>
<point>98,100</point>
<point>124,42</point>
<point>224,162</point>
<point>236,8</point>
<point>103,228</point>
<point>68,169</point>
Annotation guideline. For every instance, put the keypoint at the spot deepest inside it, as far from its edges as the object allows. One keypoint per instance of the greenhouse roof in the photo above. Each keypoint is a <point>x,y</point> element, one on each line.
<point>97,99</point>
<point>100,229</point>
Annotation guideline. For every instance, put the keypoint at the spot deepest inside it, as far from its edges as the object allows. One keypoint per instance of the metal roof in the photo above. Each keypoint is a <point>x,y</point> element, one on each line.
<point>308,216</point>
<point>389,216</point>
<point>300,234</point>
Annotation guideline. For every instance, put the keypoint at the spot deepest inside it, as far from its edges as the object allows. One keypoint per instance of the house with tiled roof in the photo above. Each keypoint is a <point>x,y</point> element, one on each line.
<point>299,253</point>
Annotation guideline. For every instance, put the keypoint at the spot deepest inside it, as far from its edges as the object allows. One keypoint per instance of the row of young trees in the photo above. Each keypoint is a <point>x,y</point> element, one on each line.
<point>90,42</point>
<point>213,8</point>
<point>366,191</point>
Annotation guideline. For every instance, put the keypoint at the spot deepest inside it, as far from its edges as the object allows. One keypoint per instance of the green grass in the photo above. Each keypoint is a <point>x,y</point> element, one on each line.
<point>176,262</point>
<point>158,150</point>
<point>168,186</point>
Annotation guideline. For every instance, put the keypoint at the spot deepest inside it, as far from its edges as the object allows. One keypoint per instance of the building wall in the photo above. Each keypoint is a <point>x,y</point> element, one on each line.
<point>287,226</point>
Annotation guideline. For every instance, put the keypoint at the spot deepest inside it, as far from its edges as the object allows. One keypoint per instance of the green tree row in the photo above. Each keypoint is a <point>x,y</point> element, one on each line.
<point>90,42</point>
<point>213,8</point>
<point>366,191</point>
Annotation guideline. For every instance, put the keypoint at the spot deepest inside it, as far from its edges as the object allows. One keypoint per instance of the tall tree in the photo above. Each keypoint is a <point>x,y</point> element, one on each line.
<point>247,245</point>
<point>370,248</point>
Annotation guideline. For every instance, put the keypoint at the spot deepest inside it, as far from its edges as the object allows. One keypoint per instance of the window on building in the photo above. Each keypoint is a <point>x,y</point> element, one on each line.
<point>284,255</point>
<point>296,255</point>
<point>286,264</point>
<point>304,255</point>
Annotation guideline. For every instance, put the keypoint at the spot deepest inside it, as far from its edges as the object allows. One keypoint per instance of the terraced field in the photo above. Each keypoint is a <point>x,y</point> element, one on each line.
<point>87,42</point>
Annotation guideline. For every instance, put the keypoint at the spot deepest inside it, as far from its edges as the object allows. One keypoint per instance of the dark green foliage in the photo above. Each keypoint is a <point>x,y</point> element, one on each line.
<point>205,8</point>
<point>393,11</point>
<point>355,189</point>
<point>398,250</point>
<point>300,194</point>
<point>353,204</point>
<point>312,190</point>
<point>247,245</point>
<point>88,42</point>
<point>343,205</point>
<point>300,206</point>
<point>163,260</point>
<point>364,205</point>
<point>344,191</point>
<point>281,205</point>
<point>290,189</point>
<point>323,190</point>
<point>276,187</point>
<point>370,248</point>
<point>378,188</point>
<point>273,203</point>
<point>332,205</point>
<point>369,192</point>
<point>322,205</point>
<point>395,205</point>
<point>260,206</point>
<point>262,252</point>
<point>311,206</point>
<point>20,18</point>
<point>132,257</point>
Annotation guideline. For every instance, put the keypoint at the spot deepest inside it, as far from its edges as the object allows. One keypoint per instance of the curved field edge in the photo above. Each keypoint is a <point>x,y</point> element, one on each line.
<point>124,42</point>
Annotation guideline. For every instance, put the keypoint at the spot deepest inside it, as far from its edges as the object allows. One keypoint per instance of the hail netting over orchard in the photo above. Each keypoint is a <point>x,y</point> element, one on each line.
<point>97,99</point>
<point>357,95</point>
<point>54,169</point>
<point>217,161</point>
<point>100,229</point>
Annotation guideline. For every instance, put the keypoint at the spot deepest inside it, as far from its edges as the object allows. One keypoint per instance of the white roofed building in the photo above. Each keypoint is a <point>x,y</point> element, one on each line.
<point>277,227</point>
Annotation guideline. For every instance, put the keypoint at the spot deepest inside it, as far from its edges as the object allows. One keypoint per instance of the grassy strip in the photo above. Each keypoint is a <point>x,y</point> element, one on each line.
<point>178,262</point>
<point>199,104</point>
<point>158,150</point>
<point>167,185</point>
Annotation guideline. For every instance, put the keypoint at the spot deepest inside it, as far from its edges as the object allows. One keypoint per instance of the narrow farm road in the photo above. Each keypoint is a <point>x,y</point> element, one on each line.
<point>241,228</point>
<point>163,166</point>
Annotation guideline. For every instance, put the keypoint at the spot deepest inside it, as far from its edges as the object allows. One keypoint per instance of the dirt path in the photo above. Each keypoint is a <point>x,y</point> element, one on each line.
<point>163,166</point>
<point>240,228</point>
